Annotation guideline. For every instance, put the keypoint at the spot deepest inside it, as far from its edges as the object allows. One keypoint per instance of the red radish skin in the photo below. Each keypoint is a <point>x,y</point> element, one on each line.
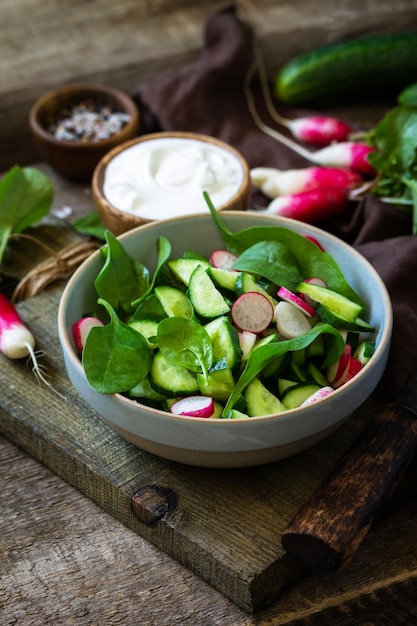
<point>302,305</point>
<point>81,329</point>
<point>346,154</point>
<point>319,130</point>
<point>17,342</point>
<point>193,406</point>
<point>311,206</point>
<point>337,369</point>
<point>316,242</point>
<point>318,395</point>
<point>252,312</point>
<point>354,367</point>
<point>223,259</point>
<point>273,182</point>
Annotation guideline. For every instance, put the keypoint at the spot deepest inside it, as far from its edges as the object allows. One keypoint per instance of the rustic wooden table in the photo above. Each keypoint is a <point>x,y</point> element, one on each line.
<point>66,560</point>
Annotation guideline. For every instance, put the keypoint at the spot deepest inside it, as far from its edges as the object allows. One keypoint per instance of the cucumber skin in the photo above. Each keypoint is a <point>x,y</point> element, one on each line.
<point>374,66</point>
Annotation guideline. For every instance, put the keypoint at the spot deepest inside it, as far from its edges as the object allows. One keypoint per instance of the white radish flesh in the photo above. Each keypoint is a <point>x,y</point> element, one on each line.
<point>193,406</point>
<point>252,312</point>
<point>247,341</point>
<point>81,329</point>
<point>291,323</point>
<point>318,395</point>
<point>223,259</point>
<point>302,305</point>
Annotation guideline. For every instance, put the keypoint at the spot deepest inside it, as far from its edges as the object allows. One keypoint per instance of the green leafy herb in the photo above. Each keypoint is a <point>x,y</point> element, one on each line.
<point>91,224</point>
<point>115,357</point>
<point>186,343</point>
<point>395,158</point>
<point>25,198</point>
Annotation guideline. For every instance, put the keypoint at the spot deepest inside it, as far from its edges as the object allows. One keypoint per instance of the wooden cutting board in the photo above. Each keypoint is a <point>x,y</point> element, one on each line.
<point>224,525</point>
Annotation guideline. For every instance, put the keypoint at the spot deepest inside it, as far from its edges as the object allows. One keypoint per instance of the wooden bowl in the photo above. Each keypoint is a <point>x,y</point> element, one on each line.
<point>118,220</point>
<point>76,160</point>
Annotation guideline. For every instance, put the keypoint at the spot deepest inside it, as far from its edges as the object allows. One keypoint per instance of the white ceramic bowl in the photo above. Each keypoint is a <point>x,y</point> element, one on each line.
<point>217,442</point>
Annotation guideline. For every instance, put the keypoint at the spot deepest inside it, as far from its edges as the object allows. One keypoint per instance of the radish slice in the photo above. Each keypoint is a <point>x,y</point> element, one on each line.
<point>291,323</point>
<point>252,312</point>
<point>247,341</point>
<point>289,296</point>
<point>316,242</point>
<point>318,395</point>
<point>337,369</point>
<point>223,259</point>
<point>194,406</point>
<point>353,367</point>
<point>81,329</point>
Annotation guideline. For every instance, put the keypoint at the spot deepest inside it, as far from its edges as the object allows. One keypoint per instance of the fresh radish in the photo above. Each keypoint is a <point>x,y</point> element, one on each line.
<point>247,341</point>
<point>223,259</point>
<point>316,242</point>
<point>339,154</point>
<point>310,206</point>
<point>314,129</point>
<point>354,367</point>
<point>291,322</point>
<point>337,369</point>
<point>81,329</point>
<point>252,312</point>
<point>16,340</point>
<point>193,406</point>
<point>302,305</point>
<point>318,395</point>
<point>319,130</point>
<point>273,182</point>
<point>347,154</point>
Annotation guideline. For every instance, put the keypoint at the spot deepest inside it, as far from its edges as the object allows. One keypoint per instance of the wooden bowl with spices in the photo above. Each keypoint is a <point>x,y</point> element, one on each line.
<point>163,175</point>
<point>74,126</point>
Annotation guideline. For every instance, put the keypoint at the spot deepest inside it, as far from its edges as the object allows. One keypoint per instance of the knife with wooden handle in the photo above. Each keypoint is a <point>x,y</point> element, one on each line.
<point>329,528</point>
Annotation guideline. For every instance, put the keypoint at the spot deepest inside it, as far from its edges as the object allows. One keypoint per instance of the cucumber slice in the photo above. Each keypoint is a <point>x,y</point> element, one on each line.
<point>296,395</point>
<point>357,326</point>
<point>145,390</point>
<point>260,401</point>
<point>225,279</point>
<point>234,414</point>
<point>171,380</point>
<point>317,375</point>
<point>337,304</point>
<point>226,344</point>
<point>174,302</point>
<point>205,297</point>
<point>220,382</point>
<point>284,384</point>
<point>147,328</point>
<point>183,268</point>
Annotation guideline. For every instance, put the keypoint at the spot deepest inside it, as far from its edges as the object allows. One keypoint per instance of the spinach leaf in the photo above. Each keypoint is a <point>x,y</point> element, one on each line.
<point>305,254</point>
<point>272,260</point>
<point>264,355</point>
<point>25,198</point>
<point>121,279</point>
<point>91,224</point>
<point>164,250</point>
<point>116,357</point>
<point>186,343</point>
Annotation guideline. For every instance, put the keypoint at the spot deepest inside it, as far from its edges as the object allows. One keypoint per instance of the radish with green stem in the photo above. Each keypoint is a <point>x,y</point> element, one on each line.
<point>316,129</point>
<point>17,341</point>
<point>273,182</point>
<point>347,154</point>
<point>311,206</point>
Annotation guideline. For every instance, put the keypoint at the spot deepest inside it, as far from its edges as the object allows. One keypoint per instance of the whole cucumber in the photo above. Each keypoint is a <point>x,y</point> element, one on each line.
<point>378,66</point>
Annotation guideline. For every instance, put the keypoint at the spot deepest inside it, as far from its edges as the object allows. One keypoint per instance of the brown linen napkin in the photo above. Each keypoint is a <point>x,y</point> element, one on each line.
<point>207,96</point>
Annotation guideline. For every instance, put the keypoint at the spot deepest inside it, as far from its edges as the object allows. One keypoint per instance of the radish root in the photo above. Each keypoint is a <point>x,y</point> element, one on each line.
<point>39,370</point>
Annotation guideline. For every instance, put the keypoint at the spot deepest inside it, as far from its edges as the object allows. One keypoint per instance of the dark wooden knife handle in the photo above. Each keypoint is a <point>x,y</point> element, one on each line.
<point>326,532</point>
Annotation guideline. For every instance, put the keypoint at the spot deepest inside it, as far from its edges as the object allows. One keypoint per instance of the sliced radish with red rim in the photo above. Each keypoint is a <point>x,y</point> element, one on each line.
<point>223,259</point>
<point>193,406</point>
<point>252,312</point>
<point>302,305</point>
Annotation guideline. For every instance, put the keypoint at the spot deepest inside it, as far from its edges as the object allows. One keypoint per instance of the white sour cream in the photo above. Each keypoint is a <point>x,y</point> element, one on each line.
<point>166,177</point>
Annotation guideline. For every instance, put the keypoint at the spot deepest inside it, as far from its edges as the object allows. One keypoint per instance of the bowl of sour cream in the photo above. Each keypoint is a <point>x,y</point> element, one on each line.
<point>163,175</point>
